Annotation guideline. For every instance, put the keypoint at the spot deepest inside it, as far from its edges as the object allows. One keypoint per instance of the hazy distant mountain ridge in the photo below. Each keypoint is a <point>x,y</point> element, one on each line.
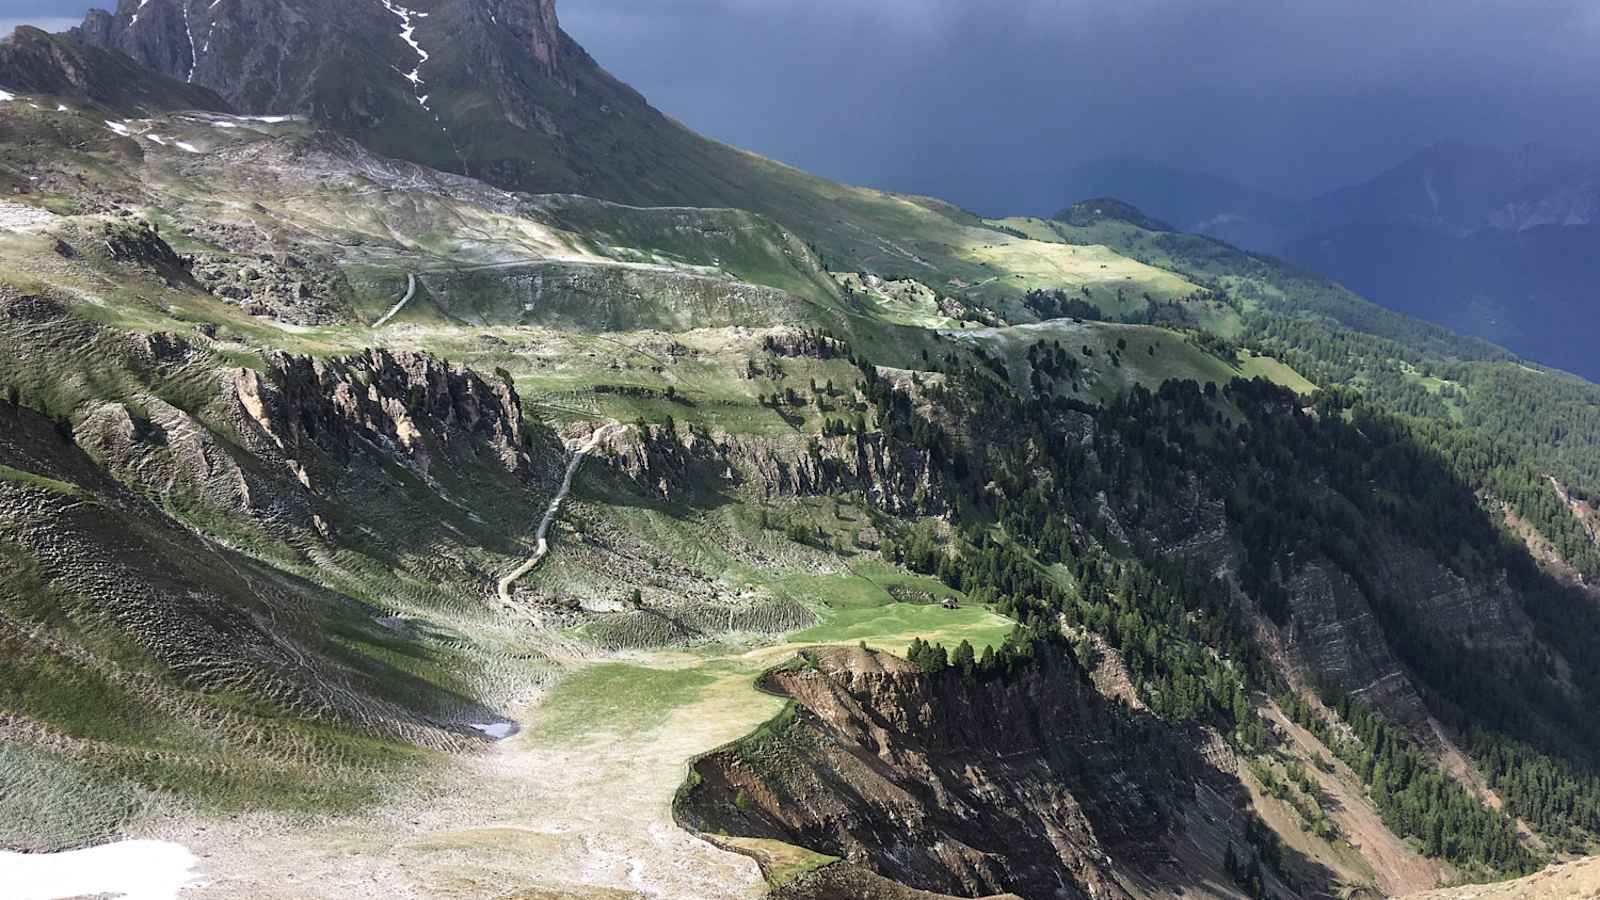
<point>1459,188</point>
<point>1502,244</point>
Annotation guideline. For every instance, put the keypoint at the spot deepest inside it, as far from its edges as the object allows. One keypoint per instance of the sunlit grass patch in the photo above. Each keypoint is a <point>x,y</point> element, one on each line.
<point>618,698</point>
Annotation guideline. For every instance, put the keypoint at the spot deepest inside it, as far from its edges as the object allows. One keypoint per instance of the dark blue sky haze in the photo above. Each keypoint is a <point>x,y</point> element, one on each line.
<point>1295,97</point>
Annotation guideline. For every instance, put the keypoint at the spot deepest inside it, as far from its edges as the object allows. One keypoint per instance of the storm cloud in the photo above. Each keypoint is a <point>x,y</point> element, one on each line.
<point>1295,97</point>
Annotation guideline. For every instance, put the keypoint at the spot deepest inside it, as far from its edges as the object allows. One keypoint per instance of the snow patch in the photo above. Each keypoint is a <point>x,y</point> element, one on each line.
<point>120,128</point>
<point>498,731</point>
<point>187,147</point>
<point>210,30</point>
<point>218,120</point>
<point>6,96</point>
<point>194,58</point>
<point>62,107</point>
<point>408,33</point>
<point>132,870</point>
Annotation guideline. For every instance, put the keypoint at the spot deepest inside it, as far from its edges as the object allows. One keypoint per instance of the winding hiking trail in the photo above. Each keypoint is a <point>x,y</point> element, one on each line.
<point>411,291</point>
<point>541,541</point>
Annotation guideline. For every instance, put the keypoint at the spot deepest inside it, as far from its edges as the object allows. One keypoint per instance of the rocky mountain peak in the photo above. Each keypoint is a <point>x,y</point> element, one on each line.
<point>491,89</point>
<point>534,24</point>
<point>396,75</point>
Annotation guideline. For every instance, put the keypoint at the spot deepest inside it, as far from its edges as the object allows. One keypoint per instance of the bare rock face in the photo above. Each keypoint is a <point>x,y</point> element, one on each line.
<point>153,33</point>
<point>408,404</point>
<point>1033,784</point>
<point>534,25</point>
<point>1481,615</point>
<point>891,476</point>
<point>262,56</point>
<point>286,289</point>
<point>1340,621</point>
<point>36,62</point>
<point>1335,635</point>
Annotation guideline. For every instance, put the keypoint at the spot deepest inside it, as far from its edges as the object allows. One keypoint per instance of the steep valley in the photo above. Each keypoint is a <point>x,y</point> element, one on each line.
<point>907,554</point>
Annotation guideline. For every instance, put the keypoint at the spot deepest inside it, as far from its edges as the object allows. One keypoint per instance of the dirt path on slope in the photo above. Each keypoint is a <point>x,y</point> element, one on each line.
<point>411,291</point>
<point>541,543</point>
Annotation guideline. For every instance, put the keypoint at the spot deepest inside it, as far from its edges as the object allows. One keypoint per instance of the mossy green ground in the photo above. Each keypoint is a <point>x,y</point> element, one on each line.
<point>1114,357</point>
<point>623,698</point>
<point>627,698</point>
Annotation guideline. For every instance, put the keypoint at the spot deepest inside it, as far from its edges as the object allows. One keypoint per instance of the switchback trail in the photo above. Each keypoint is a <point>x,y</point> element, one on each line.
<point>541,542</point>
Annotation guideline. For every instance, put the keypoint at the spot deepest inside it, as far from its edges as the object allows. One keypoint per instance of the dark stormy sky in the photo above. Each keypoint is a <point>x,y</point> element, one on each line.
<point>1291,95</point>
<point>1295,96</point>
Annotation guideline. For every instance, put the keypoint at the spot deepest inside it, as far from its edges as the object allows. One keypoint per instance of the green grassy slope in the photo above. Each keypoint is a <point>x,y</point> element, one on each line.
<point>1538,421</point>
<point>1113,358</point>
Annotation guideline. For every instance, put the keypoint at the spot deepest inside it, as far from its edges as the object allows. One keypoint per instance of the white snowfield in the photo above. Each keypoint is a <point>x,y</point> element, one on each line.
<point>6,95</point>
<point>130,870</point>
<point>498,731</point>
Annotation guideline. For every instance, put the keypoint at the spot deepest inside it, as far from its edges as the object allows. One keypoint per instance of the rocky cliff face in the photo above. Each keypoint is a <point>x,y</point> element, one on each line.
<point>533,25</point>
<point>153,34</point>
<point>1335,635</point>
<point>277,56</point>
<point>38,63</point>
<point>1034,784</point>
<point>409,404</point>
<point>891,476</point>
